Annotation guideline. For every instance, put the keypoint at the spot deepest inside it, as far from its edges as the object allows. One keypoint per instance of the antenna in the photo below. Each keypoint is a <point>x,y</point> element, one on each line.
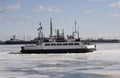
<point>75,26</point>
<point>40,23</point>
<point>78,33</point>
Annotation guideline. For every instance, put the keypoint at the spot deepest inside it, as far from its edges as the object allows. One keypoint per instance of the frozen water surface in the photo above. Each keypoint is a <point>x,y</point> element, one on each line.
<point>103,63</point>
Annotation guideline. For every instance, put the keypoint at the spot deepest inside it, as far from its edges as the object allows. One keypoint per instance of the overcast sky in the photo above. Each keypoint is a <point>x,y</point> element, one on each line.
<point>95,18</point>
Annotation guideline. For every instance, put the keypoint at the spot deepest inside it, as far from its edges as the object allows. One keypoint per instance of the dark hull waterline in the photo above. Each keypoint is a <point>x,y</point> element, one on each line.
<point>57,51</point>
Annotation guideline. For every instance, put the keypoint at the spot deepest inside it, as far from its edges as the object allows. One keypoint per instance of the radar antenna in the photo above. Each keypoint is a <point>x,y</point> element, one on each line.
<point>40,34</point>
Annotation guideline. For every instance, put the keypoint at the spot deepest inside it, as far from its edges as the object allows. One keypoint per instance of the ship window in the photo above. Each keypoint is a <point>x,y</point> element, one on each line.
<point>53,44</point>
<point>59,44</point>
<point>70,43</point>
<point>76,43</point>
<point>64,43</point>
<point>47,44</point>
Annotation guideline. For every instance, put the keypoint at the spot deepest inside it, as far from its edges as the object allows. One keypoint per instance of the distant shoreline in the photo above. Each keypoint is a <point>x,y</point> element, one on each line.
<point>35,41</point>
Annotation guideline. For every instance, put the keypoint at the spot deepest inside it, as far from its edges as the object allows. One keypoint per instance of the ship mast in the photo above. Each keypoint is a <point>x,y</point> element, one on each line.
<point>40,34</point>
<point>75,26</point>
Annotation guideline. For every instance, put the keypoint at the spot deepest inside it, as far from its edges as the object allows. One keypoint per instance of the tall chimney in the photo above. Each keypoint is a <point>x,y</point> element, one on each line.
<point>50,27</point>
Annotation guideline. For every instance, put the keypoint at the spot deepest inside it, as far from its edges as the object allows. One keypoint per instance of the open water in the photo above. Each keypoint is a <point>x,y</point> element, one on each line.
<point>103,63</point>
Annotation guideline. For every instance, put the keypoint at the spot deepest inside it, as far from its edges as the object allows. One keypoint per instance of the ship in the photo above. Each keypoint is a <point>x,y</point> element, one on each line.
<point>58,43</point>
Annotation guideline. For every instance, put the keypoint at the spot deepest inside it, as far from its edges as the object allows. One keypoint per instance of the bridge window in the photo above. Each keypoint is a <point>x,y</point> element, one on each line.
<point>70,43</point>
<point>76,43</point>
<point>53,44</point>
<point>59,44</point>
<point>65,44</point>
<point>47,44</point>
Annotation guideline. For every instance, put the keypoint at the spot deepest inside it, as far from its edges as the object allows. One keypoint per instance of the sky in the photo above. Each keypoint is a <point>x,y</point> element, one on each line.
<point>95,18</point>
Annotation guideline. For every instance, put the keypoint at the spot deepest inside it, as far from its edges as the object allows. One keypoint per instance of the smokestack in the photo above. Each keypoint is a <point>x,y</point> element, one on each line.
<point>50,27</point>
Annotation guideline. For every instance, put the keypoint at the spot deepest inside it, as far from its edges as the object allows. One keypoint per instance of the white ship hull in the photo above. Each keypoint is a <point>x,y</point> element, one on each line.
<point>59,47</point>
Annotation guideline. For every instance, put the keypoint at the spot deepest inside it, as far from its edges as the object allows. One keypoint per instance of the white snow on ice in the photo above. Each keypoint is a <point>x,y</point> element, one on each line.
<point>103,63</point>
